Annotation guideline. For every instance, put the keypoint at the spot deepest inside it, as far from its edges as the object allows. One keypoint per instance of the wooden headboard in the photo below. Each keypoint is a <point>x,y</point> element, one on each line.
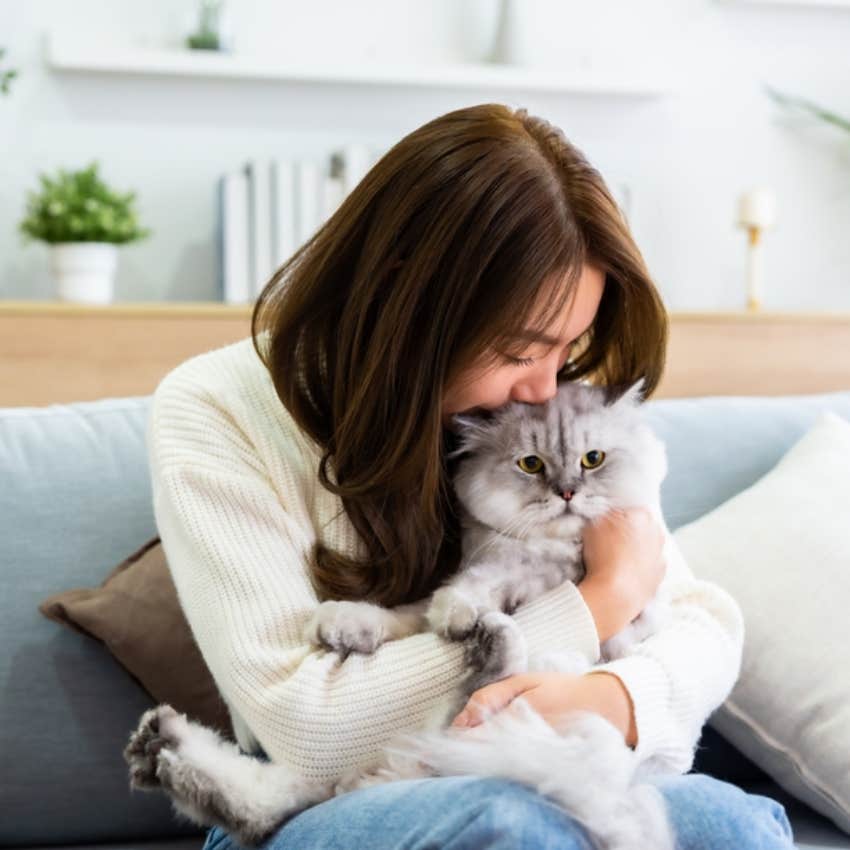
<point>56,352</point>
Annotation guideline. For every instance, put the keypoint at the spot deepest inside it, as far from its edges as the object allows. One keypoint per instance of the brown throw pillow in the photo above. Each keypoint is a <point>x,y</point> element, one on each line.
<point>136,613</point>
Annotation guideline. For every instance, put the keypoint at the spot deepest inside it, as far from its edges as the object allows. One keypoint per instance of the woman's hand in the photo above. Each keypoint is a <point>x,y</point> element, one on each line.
<point>552,694</point>
<point>622,552</point>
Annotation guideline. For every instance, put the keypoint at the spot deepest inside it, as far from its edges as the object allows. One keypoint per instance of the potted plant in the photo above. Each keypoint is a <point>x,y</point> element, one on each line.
<point>83,221</point>
<point>213,28</point>
<point>6,76</point>
<point>809,106</point>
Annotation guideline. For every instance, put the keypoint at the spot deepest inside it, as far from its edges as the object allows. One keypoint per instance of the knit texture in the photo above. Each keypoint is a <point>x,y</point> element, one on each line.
<point>239,507</point>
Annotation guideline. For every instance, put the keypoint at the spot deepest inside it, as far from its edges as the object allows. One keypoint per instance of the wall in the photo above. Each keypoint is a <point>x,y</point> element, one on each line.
<point>686,156</point>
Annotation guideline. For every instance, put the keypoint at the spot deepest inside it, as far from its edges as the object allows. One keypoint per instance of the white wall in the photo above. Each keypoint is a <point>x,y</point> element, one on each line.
<point>686,156</point>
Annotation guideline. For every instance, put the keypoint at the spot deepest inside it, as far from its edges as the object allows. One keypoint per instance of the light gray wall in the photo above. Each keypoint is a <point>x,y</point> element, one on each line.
<point>686,156</point>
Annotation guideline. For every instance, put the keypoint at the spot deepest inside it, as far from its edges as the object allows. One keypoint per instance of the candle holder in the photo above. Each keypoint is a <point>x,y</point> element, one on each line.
<point>756,213</point>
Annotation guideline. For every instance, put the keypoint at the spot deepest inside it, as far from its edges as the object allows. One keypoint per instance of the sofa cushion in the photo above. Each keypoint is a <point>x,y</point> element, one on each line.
<point>135,612</point>
<point>75,501</point>
<point>781,548</point>
<point>192,842</point>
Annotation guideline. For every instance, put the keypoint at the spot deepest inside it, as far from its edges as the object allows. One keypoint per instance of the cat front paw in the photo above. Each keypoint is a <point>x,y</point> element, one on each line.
<point>346,627</point>
<point>451,614</point>
<point>496,646</point>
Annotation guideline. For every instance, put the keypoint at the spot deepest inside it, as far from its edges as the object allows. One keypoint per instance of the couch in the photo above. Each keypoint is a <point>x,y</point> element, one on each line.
<point>75,500</point>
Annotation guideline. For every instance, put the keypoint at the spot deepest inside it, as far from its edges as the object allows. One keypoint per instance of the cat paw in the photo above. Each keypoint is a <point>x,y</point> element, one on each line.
<point>197,768</point>
<point>345,627</point>
<point>157,731</point>
<point>451,614</point>
<point>496,646</point>
<point>514,600</point>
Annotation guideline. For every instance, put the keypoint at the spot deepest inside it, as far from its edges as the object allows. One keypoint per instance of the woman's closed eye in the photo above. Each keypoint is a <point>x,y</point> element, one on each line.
<point>520,361</point>
<point>528,361</point>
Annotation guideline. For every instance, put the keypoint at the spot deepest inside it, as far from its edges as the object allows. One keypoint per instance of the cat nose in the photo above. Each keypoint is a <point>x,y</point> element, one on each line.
<point>568,494</point>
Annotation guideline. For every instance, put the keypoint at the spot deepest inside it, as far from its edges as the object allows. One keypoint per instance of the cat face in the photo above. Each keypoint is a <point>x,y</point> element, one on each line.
<point>528,470</point>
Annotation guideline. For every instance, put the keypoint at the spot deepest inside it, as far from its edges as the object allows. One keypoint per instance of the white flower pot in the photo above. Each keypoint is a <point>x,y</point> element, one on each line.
<point>84,271</point>
<point>563,35</point>
<point>477,23</point>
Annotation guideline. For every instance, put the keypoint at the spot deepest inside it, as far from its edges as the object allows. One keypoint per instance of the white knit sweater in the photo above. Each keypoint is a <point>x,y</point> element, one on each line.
<point>238,505</point>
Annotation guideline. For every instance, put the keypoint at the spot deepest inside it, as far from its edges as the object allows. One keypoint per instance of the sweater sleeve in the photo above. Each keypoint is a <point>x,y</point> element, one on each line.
<point>679,675</point>
<point>239,546</point>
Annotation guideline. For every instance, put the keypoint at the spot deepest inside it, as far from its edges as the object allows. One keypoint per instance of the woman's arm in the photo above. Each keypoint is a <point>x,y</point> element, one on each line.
<point>679,675</point>
<point>238,546</point>
<point>615,703</point>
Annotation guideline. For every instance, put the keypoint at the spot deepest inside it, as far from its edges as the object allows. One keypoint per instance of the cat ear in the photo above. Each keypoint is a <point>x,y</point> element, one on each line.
<point>630,396</point>
<point>470,431</point>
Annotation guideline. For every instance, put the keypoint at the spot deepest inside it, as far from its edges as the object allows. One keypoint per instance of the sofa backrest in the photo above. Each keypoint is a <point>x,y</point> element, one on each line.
<point>75,501</point>
<point>719,445</point>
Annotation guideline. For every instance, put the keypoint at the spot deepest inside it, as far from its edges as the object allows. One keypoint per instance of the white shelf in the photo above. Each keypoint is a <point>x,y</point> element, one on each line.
<point>66,55</point>
<point>801,4</point>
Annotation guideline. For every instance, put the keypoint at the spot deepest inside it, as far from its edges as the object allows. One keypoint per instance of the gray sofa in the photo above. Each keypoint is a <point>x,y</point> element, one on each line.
<point>75,501</point>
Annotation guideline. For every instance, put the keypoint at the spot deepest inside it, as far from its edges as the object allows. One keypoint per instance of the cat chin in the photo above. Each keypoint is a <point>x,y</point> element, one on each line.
<point>565,524</point>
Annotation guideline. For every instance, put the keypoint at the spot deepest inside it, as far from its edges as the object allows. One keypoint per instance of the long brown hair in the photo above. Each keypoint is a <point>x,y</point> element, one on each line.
<point>435,257</point>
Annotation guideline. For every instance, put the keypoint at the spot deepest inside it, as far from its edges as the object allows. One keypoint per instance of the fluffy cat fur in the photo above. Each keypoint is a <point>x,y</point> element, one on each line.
<point>522,527</point>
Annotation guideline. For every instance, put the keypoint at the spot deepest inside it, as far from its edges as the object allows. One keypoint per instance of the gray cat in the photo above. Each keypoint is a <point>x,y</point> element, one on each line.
<point>529,477</point>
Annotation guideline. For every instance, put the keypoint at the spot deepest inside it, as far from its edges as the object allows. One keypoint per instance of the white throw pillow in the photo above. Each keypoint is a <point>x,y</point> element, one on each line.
<point>781,548</point>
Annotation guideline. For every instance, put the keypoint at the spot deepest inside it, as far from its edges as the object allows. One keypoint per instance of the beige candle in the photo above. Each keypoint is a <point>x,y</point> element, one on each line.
<point>756,213</point>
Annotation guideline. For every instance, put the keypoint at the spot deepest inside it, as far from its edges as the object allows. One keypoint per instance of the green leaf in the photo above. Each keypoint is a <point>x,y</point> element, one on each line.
<point>809,106</point>
<point>77,206</point>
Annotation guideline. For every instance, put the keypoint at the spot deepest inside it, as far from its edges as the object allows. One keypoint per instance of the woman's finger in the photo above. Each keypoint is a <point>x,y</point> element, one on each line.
<point>491,698</point>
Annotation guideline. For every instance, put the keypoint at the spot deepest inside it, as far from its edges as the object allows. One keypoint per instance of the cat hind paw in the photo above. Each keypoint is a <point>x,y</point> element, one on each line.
<point>154,734</point>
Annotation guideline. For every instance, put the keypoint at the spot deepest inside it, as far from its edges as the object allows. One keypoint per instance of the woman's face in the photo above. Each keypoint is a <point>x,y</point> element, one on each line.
<point>533,382</point>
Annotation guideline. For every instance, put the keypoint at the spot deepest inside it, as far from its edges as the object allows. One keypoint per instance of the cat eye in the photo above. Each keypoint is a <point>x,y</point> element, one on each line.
<point>592,459</point>
<point>530,464</point>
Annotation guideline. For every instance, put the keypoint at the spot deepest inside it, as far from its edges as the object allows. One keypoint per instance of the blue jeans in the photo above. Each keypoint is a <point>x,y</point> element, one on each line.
<point>477,813</point>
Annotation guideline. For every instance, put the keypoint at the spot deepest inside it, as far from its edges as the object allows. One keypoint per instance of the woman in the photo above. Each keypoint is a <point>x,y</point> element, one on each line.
<point>481,260</point>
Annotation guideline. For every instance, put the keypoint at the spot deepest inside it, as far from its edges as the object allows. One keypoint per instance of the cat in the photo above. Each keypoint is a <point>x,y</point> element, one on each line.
<point>528,479</point>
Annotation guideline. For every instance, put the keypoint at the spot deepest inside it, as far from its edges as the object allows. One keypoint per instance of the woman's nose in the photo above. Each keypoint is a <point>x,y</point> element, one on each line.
<point>536,389</point>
